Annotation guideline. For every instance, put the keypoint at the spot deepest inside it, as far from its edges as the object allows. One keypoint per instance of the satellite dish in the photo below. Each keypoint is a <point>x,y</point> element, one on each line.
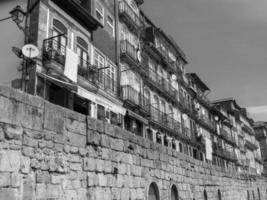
<point>174,77</point>
<point>30,51</point>
<point>184,116</point>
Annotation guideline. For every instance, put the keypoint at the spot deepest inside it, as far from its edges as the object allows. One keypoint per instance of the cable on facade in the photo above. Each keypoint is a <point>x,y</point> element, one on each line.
<point>4,19</point>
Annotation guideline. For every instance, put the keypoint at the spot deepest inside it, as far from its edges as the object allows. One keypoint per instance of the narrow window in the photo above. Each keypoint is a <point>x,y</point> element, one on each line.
<point>99,9</point>
<point>110,25</point>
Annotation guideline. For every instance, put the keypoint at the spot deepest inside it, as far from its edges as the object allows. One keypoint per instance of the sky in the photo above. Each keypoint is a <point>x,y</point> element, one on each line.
<point>225,42</point>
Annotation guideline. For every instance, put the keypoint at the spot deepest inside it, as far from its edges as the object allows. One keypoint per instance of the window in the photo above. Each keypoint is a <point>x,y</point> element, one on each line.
<point>153,193</point>
<point>101,112</point>
<point>259,194</point>
<point>99,62</point>
<point>111,77</point>
<point>99,9</point>
<point>110,25</point>
<point>82,51</point>
<point>59,43</point>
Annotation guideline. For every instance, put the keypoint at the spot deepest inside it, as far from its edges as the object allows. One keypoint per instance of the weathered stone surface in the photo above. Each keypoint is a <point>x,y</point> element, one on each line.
<point>83,158</point>
<point>54,118</point>
<point>9,161</point>
<point>13,132</point>
<point>5,179</point>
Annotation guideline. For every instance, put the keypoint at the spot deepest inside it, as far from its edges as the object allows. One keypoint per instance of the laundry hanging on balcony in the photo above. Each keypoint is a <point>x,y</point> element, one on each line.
<point>208,144</point>
<point>71,65</point>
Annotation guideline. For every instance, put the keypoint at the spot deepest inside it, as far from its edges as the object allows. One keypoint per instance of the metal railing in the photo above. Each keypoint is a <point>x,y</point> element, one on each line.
<point>128,49</point>
<point>53,50</point>
<point>130,94</point>
<point>107,83</point>
<point>125,9</point>
<point>162,83</point>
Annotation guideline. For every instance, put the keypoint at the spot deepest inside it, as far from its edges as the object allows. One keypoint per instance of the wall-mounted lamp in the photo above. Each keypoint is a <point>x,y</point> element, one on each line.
<point>17,15</point>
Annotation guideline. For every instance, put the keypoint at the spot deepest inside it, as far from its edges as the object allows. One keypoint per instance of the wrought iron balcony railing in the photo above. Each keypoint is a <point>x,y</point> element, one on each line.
<point>162,84</point>
<point>227,136</point>
<point>128,51</point>
<point>129,94</point>
<point>54,52</point>
<point>132,20</point>
<point>251,144</point>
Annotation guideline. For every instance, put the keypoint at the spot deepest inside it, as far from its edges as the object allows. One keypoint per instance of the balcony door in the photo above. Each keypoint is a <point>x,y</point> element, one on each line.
<point>59,43</point>
<point>82,51</point>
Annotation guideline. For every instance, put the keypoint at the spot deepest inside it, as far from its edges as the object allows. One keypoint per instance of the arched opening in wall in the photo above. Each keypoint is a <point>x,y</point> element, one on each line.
<point>205,195</point>
<point>248,197</point>
<point>174,193</point>
<point>219,195</point>
<point>253,195</point>
<point>259,194</point>
<point>153,192</point>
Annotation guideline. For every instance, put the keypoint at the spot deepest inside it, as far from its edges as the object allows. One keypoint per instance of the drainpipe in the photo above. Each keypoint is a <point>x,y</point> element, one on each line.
<point>117,44</point>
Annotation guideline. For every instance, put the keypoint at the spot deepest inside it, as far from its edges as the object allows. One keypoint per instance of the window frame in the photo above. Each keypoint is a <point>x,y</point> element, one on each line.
<point>100,12</point>
<point>112,26</point>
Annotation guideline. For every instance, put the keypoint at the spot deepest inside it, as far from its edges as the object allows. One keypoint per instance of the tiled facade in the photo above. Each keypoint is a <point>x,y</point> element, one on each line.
<point>130,73</point>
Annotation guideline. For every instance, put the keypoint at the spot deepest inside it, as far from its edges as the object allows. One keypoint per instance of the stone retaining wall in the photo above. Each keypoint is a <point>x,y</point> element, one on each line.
<point>51,153</point>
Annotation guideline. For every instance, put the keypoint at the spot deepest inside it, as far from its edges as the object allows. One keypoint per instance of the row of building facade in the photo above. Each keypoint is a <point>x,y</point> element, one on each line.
<point>108,60</point>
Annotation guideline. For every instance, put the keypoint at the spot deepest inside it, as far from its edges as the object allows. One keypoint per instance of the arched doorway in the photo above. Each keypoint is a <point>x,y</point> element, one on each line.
<point>205,195</point>
<point>219,195</point>
<point>153,192</point>
<point>174,193</point>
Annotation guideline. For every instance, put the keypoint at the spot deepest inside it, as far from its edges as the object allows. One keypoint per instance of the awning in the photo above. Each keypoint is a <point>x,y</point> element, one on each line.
<point>136,116</point>
<point>101,100</point>
<point>59,82</point>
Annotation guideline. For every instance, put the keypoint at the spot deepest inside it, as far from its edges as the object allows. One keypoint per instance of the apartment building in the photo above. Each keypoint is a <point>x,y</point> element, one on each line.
<point>261,135</point>
<point>108,60</point>
<point>241,137</point>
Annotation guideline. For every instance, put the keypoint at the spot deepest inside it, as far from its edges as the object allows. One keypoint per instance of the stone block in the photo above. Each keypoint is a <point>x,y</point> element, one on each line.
<point>105,141</point>
<point>13,132</point>
<point>5,179</point>
<point>42,177</point>
<point>76,140</point>
<point>102,180</point>
<point>41,192</point>
<point>91,123</point>
<point>28,189</point>
<point>76,126</point>
<point>29,141</point>
<point>71,195</point>
<point>75,166</point>
<point>9,161</point>
<point>100,165</point>
<point>53,191</point>
<point>117,144</point>
<point>16,179</point>
<point>89,164</point>
<point>2,134</point>
<point>125,194</point>
<point>93,137</point>
<point>92,179</point>
<point>9,194</point>
<point>54,118</point>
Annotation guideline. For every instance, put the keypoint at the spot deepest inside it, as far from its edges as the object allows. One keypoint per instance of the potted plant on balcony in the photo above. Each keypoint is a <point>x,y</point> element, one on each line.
<point>59,57</point>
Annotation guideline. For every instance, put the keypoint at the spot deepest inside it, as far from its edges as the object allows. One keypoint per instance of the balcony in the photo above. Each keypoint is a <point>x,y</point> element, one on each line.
<point>224,153</point>
<point>247,129</point>
<point>161,84</point>
<point>205,122</point>
<point>167,122</point>
<point>134,99</point>
<point>87,76</point>
<point>130,18</point>
<point>258,158</point>
<point>81,10</point>
<point>251,144</point>
<point>228,137</point>
<point>128,52</point>
<point>54,55</point>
